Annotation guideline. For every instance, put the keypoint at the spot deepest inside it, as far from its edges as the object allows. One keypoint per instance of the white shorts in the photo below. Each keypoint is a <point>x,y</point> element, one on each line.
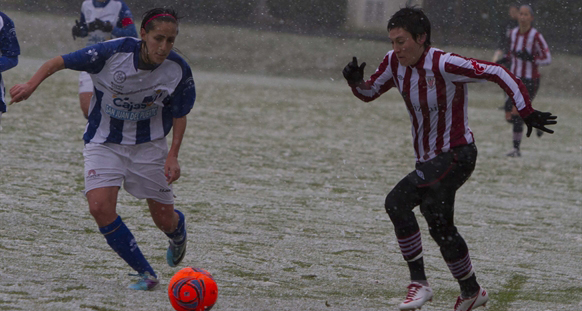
<point>139,167</point>
<point>85,83</point>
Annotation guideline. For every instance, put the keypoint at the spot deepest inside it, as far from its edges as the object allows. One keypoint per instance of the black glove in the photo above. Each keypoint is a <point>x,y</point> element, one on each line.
<point>505,62</point>
<point>538,120</point>
<point>524,55</point>
<point>100,25</point>
<point>77,31</point>
<point>354,73</point>
<point>107,27</point>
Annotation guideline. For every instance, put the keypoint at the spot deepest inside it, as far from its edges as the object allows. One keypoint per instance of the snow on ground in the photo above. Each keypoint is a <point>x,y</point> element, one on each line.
<point>283,183</point>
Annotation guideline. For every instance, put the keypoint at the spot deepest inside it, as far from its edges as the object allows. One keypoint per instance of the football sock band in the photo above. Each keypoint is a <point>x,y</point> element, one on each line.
<point>179,234</point>
<point>123,243</point>
<point>411,249</point>
<point>411,246</point>
<point>461,268</point>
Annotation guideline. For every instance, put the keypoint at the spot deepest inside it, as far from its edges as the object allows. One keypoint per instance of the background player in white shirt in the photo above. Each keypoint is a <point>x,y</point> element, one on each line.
<point>100,20</point>
<point>433,85</point>
<point>142,90</point>
<point>9,51</point>
<point>527,50</point>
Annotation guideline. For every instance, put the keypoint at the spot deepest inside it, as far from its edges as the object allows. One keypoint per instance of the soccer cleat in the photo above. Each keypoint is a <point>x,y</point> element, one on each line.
<point>468,304</point>
<point>176,252</point>
<point>146,281</point>
<point>417,295</point>
<point>514,153</point>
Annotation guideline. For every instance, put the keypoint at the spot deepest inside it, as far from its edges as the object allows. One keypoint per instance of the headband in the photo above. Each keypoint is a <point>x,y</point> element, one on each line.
<point>156,16</point>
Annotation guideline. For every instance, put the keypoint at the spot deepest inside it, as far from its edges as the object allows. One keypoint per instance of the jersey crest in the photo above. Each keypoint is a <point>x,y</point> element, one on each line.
<point>478,68</point>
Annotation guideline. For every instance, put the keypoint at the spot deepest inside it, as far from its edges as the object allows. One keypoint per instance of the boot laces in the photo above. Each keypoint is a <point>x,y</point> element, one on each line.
<point>412,290</point>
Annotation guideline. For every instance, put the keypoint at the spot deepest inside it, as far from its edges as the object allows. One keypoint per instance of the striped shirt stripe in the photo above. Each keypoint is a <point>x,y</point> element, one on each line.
<point>435,95</point>
<point>534,44</point>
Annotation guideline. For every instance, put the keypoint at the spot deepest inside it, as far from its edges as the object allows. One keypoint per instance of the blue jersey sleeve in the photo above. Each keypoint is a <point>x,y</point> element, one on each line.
<point>125,26</point>
<point>8,44</point>
<point>92,58</point>
<point>182,100</point>
<point>8,62</point>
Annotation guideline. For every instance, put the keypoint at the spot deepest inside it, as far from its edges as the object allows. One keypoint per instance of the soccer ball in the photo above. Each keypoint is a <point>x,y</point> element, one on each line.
<point>192,289</point>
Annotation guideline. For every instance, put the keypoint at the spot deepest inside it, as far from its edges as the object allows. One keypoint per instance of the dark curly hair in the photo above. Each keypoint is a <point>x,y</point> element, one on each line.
<point>413,20</point>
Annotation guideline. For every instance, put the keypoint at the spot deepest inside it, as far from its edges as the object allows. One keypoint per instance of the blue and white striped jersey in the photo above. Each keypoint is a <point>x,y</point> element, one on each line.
<point>9,51</point>
<point>114,11</point>
<point>130,105</point>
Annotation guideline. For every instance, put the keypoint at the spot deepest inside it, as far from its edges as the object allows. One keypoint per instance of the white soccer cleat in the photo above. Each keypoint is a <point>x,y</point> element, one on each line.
<point>468,304</point>
<point>417,295</point>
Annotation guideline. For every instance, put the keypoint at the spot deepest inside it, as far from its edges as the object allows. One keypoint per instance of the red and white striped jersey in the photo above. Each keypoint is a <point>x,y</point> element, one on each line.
<point>435,93</point>
<point>534,43</point>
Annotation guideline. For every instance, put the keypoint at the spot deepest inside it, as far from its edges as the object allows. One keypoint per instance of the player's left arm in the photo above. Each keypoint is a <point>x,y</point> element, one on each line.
<point>460,69</point>
<point>541,51</point>
<point>172,167</point>
<point>181,101</point>
<point>125,26</point>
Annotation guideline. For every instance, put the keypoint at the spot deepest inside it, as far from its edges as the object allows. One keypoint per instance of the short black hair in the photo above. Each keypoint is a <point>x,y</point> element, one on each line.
<point>413,20</point>
<point>158,14</point>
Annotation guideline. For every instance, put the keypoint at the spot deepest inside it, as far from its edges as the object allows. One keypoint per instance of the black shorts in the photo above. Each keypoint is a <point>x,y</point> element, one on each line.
<point>449,170</point>
<point>532,86</point>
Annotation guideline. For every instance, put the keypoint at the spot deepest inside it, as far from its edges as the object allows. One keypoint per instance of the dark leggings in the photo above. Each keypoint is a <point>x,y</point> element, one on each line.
<point>532,86</point>
<point>433,186</point>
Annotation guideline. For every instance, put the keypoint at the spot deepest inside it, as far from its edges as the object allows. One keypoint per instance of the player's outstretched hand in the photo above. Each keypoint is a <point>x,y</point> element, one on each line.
<point>353,73</point>
<point>20,92</point>
<point>539,120</point>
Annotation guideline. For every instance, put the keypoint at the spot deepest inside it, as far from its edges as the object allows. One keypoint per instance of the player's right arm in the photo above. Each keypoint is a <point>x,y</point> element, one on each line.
<point>21,92</point>
<point>379,83</point>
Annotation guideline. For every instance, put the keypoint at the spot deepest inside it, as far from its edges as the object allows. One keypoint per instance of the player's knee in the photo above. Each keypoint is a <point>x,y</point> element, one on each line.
<point>443,234</point>
<point>102,213</point>
<point>391,204</point>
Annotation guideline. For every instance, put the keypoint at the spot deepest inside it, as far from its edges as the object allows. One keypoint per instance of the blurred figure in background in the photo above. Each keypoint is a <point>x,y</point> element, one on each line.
<point>504,32</point>
<point>527,50</point>
<point>9,51</point>
<point>101,20</point>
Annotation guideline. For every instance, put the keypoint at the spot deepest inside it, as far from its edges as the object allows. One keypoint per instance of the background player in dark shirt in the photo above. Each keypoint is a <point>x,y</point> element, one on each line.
<point>504,30</point>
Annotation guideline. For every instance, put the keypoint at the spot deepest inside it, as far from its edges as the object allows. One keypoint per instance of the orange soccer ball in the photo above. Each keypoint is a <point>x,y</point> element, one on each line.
<point>192,289</point>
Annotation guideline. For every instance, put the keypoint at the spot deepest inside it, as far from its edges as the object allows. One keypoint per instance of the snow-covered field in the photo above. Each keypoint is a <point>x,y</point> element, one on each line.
<point>283,183</point>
